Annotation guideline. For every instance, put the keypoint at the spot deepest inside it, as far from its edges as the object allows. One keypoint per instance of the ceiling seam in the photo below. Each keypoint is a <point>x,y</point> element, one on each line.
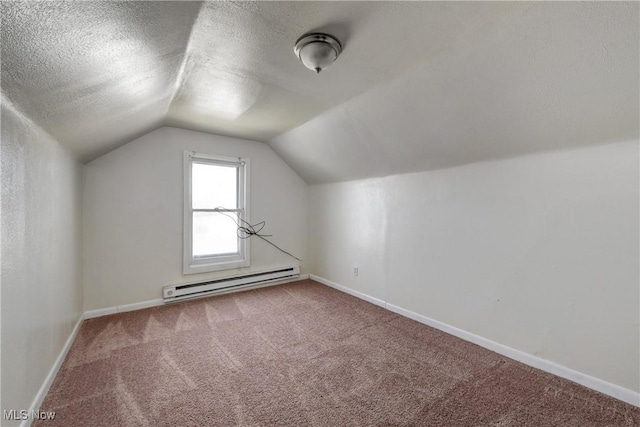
<point>6,102</point>
<point>183,64</point>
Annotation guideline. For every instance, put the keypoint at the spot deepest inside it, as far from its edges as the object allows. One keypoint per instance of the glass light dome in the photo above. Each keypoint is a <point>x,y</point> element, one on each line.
<point>317,51</point>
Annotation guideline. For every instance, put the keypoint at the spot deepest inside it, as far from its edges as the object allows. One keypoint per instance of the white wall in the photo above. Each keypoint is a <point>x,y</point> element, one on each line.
<point>41,269</point>
<point>539,253</point>
<point>133,214</point>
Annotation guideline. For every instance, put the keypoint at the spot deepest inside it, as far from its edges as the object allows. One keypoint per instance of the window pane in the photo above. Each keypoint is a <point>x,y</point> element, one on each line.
<point>214,186</point>
<point>214,234</point>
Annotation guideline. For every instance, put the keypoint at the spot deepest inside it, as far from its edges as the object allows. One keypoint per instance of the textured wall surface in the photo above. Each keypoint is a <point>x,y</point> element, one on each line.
<point>133,207</point>
<point>539,253</point>
<point>41,257</point>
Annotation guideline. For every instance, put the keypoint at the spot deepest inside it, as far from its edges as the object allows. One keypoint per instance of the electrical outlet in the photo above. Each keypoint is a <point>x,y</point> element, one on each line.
<point>355,271</point>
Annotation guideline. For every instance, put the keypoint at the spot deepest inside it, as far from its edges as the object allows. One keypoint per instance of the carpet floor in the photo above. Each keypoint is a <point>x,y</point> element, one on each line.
<point>302,354</point>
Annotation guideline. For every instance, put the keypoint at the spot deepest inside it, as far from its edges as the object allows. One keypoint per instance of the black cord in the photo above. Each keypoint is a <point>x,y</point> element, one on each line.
<point>246,230</point>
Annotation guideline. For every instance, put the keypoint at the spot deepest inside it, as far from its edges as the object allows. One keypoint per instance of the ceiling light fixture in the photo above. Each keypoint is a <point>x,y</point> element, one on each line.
<point>317,50</point>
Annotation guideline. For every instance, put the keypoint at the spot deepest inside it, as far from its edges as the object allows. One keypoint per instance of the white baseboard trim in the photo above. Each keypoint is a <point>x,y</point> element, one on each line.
<point>349,291</point>
<point>46,385</point>
<point>44,389</point>
<point>629,396</point>
<point>122,308</point>
<point>588,381</point>
<point>158,302</point>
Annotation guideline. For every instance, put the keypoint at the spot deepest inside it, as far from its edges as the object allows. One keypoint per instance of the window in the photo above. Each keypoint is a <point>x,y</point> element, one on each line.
<point>215,190</point>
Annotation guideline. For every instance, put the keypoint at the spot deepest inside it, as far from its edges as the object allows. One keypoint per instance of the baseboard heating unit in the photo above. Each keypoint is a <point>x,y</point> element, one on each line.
<point>173,293</point>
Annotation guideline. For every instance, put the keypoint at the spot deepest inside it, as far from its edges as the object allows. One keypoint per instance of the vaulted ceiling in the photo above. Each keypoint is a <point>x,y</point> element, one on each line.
<point>418,85</point>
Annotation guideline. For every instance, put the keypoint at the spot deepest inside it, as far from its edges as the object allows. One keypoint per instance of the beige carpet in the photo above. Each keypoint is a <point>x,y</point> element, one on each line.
<point>302,354</point>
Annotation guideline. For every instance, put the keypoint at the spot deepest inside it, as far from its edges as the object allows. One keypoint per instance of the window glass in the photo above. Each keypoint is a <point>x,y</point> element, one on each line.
<point>214,186</point>
<point>210,239</point>
<point>214,234</point>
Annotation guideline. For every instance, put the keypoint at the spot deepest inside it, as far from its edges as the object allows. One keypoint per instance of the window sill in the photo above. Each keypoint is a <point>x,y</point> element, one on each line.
<point>214,266</point>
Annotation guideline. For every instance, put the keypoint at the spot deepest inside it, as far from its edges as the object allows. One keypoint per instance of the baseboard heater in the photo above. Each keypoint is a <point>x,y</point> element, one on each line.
<point>173,293</point>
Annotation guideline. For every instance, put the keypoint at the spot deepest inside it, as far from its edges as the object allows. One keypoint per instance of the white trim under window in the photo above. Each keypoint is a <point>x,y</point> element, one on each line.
<point>209,227</point>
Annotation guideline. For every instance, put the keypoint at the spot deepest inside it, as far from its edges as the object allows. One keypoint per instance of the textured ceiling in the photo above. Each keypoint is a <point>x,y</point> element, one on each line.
<point>94,74</point>
<point>419,85</point>
<point>557,75</point>
<point>97,74</point>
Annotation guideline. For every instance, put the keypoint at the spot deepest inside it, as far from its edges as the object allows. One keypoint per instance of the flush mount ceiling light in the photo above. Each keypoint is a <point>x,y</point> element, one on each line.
<point>317,50</point>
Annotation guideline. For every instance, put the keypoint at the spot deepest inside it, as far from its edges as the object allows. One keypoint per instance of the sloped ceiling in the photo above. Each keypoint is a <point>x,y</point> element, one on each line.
<point>94,75</point>
<point>556,76</point>
<point>418,85</point>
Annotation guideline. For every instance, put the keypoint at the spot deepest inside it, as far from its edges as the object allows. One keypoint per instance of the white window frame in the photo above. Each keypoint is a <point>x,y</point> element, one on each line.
<point>190,264</point>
